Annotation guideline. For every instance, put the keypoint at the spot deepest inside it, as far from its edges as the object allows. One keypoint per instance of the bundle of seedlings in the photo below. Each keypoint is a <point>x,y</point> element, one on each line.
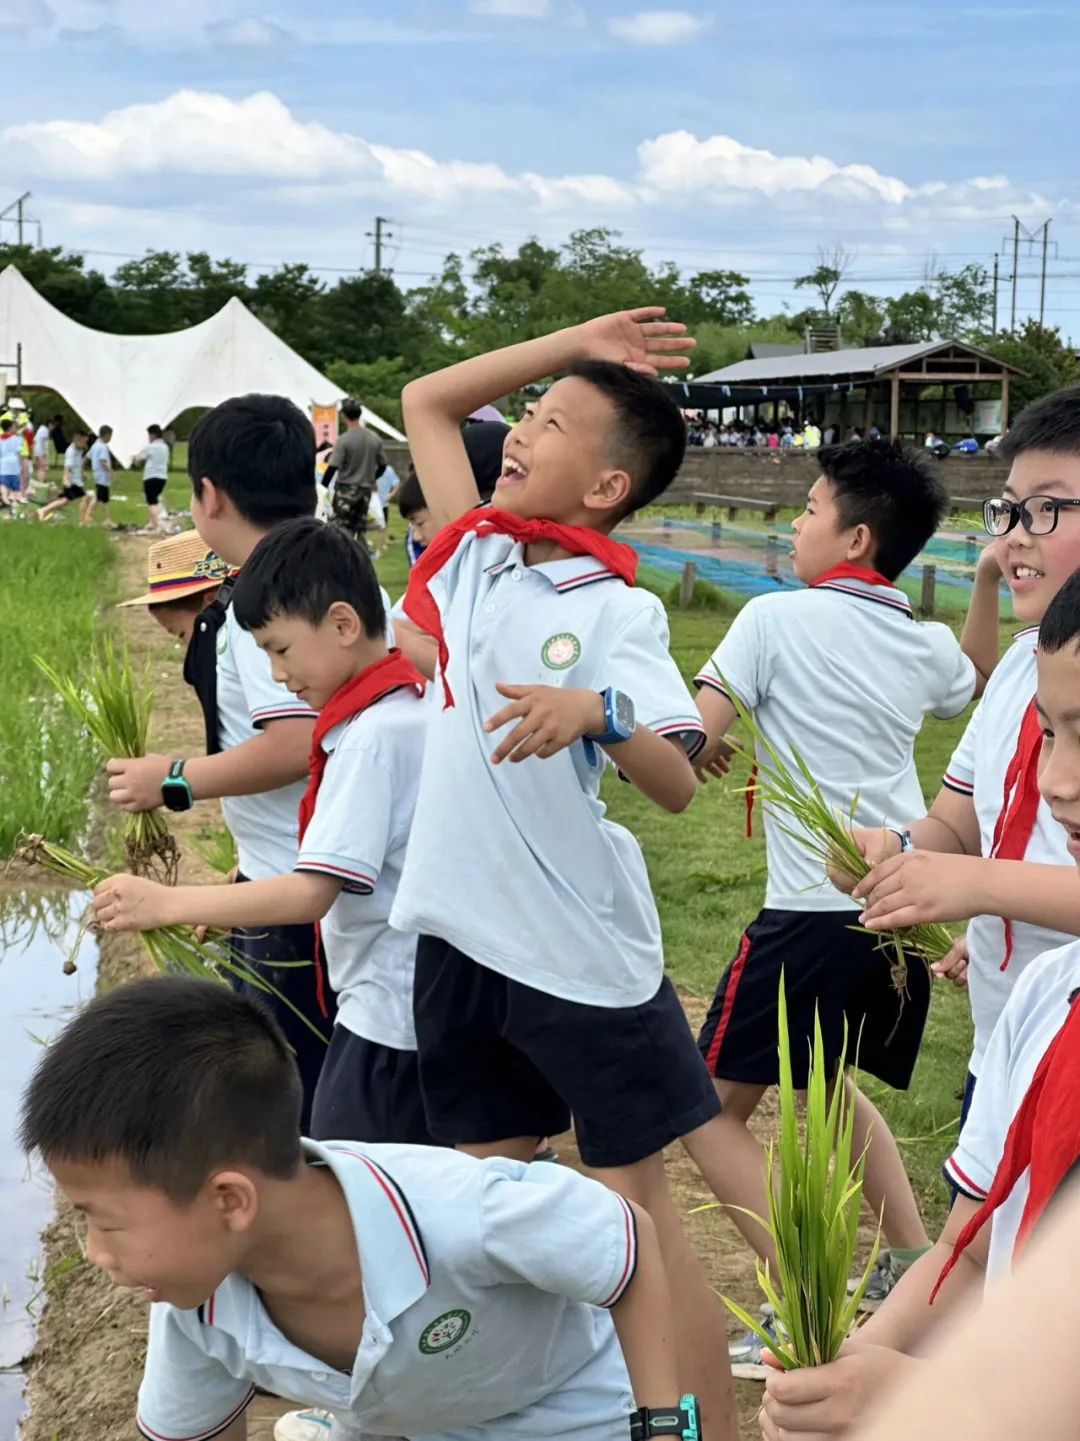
<point>114,704</point>
<point>802,812</point>
<point>814,1198</point>
<point>218,849</point>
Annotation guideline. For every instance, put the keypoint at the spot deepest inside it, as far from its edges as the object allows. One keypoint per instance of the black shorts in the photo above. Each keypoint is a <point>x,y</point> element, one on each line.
<point>73,492</point>
<point>499,1059</point>
<point>152,489</point>
<point>368,1092</point>
<point>102,493</point>
<point>826,964</point>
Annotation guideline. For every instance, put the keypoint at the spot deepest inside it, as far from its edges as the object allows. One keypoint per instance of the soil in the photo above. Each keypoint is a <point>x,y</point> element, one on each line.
<point>84,1371</point>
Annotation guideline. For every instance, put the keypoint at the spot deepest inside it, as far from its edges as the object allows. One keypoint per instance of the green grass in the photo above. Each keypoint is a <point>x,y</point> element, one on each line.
<point>52,587</point>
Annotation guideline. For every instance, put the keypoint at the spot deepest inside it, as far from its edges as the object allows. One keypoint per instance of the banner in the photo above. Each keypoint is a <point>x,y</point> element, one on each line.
<point>325,420</point>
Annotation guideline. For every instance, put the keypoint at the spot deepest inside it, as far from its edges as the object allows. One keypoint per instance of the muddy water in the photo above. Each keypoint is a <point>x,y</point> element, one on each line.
<point>37,933</point>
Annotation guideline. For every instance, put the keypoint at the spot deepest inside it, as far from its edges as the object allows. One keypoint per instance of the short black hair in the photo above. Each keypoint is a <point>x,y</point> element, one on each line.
<point>173,1077</point>
<point>892,490</point>
<point>154,430</point>
<point>105,432</point>
<point>410,495</point>
<point>648,437</point>
<point>260,451</point>
<point>1060,626</point>
<point>352,409</point>
<point>300,568</point>
<point>1051,424</point>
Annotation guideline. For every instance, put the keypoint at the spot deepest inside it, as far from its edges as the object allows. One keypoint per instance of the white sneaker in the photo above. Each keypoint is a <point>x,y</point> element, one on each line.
<point>310,1425</point>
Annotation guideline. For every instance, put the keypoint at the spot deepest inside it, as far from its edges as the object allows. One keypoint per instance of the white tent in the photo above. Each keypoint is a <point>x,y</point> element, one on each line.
<point>132,381</point>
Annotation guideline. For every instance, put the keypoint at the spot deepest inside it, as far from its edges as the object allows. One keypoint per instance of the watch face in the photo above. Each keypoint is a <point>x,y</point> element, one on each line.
<point>624,711</point>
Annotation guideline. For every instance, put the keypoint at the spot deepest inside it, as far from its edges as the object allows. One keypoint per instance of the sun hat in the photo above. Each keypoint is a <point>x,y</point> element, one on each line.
<point>182,565</point>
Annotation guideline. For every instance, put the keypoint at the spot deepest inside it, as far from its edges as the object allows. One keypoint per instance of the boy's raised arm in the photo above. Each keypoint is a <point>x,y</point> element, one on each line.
<point>435,406</point>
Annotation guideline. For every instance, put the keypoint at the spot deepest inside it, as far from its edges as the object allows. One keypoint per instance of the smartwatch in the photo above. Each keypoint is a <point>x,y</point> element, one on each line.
<point>618,718</point>
<point>904,837</point>
<point>683,1420</point>
<point>175,792</point>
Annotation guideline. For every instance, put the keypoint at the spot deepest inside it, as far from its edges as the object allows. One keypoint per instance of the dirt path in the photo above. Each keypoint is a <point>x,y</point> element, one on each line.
<point>85,1369</point>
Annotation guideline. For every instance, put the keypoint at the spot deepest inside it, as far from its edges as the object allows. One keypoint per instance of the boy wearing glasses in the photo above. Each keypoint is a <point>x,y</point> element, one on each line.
<point>989,851</point>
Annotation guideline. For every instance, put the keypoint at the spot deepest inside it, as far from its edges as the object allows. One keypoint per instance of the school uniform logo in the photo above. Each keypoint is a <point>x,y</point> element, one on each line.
<point>560,652</point>
<point>445,1331</point>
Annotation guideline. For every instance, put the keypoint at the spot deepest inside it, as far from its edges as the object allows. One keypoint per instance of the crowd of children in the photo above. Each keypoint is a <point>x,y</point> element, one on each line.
<point>464,953</point>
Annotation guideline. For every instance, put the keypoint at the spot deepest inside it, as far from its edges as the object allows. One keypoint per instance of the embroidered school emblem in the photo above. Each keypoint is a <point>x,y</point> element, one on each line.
<point>445,1331</point>
<point>559,652</point>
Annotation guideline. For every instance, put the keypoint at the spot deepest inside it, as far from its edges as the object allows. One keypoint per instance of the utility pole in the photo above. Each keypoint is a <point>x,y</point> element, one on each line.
<point>993,319</point>
<point>1016,267</point>
<point>20,219</point>
<point>1042,283</point>
<point>380,235</point>
<point>1029,238</point>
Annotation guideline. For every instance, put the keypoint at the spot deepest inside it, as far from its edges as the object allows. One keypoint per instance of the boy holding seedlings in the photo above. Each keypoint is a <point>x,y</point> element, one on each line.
<point>407,1290</point>
<point>842,673</point>
<point>1021,1138</point>
<point>540,990</point>
<point>309,598</point>
<point>252,465</point>
<point>74,488</point>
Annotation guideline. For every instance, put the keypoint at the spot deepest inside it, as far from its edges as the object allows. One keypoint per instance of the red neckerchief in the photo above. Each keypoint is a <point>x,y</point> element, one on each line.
<point>420,604</point>
<point>374,681</point>
<point>1019,804</point>
<point>1044,1135</point>
<point>843,571</point>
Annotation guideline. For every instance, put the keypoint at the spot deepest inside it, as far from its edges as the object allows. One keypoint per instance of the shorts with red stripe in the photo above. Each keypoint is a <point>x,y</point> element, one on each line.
<point>828,965</point>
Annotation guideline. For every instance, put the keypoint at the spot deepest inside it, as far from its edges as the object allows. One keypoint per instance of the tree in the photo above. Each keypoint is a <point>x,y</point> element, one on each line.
<point>826,276</point>
<point>362,319</point>
<point>719,297</point>
<point>965,302</point>
<point>285,300</point>
<point>861,318</point>
<point>1040,351</point>
<point>378,384</point>
<point>910,317</point>
<point>151,293</point>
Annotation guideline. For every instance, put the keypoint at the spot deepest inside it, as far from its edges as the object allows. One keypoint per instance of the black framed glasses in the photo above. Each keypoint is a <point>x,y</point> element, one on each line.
<point>1038,514</point>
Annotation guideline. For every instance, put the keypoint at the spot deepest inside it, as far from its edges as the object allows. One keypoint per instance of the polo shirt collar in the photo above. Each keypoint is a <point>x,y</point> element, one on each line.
<point>563,575</point>
<point>393,1259</point>
<point>885,595</point>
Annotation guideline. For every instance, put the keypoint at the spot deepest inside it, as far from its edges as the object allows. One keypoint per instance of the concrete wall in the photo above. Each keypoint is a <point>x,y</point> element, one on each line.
<point>785,477</point>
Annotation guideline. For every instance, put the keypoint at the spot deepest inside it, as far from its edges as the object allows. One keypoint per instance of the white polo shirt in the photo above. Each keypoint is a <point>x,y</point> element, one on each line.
<point>845,675</point>
<point>100,462</point>
<point>562,902</point>
<point>41,442</point>
<point>358,834</point>
<point>1032,1017</point>
<point>264,826</point>
<point>484,1283</point>
<point>155,455</point>
<point>74,460</point>
<point>977,769</point>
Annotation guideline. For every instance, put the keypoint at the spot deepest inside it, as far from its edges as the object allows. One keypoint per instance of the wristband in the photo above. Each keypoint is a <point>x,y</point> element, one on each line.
<point>176,793</point>
<point>683,1421</point>
<point>904,837</point>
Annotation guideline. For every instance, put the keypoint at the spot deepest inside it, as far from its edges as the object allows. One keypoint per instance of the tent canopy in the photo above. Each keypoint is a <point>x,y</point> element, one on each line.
<point>132,381</point>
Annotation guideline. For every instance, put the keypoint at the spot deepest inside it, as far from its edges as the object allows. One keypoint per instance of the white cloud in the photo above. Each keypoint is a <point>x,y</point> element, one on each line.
<point>28,14</point>
<point>249,32</point>
<point>657,27</point>
<point>512,9</point>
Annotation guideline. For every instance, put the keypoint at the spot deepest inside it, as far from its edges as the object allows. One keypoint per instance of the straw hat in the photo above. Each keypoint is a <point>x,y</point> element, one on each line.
<point>182,565</point>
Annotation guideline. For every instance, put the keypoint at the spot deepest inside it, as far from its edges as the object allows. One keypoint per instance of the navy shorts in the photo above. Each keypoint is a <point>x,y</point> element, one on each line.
<point>368,1092</point>
<point>152,489</point>
<point>73,492</point>
<point>499,1059</point>
<point>828,965</point>
<point>102,493</point>
<point>261,947</point>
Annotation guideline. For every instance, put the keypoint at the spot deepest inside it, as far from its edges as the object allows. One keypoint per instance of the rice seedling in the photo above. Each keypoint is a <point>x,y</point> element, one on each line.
<point>218,849</point>
<point>814,1197</point>
<point>114,704</point>
<point>801,811</point>
<point>173,950</point>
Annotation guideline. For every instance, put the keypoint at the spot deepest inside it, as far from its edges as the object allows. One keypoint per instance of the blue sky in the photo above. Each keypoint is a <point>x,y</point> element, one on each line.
<point>712,134</point>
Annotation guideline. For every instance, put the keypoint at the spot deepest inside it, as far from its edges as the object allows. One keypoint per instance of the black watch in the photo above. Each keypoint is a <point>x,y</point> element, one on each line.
<point>175,792</point>
<point>683,1420</point>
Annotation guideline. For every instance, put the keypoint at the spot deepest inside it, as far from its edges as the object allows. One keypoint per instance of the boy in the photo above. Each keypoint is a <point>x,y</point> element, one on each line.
<point>989,849</point>
<point>842,673</point>
<point>184,577</point>
<point>408,1290</point>
<point>102,470</point>
<point>540,989</point>
<point>73,488</point>
<point>1021,1138</point>
<point>41,453</point>
<point>309,597</point>
<point>12,461</point>
<point>252,465</point>
<point>154,457</point>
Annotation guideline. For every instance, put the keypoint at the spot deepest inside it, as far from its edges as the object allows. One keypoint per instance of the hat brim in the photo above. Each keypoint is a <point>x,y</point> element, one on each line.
<point>179,592</point>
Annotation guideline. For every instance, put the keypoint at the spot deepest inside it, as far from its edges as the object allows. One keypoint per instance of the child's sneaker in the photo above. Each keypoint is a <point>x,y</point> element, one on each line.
<point>890,1268</point>
<point>745,1353</point>
<point>310,1425</point>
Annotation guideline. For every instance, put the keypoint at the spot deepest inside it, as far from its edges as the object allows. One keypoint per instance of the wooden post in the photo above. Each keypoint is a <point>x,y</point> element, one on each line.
<point>686,585</point>
<point>771,555</point>
<point>894,406</point>
<point>716,531</point>
<point>1004,403</point>
<point>971,549</point>
<point>929,580</point>
<point>699,507</point>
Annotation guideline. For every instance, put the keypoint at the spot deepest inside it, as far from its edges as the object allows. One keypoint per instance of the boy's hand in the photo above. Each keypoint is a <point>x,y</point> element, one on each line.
<point>639,339</point>
<point>828,1400</point>
<point>874,846</point>
<point>955,965</point>
<point>715,759</point>
<point>550,718</point>
<point>922,886</point>
<point>135,782</point>
<point>988,565</point>
<point>131,903</point>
